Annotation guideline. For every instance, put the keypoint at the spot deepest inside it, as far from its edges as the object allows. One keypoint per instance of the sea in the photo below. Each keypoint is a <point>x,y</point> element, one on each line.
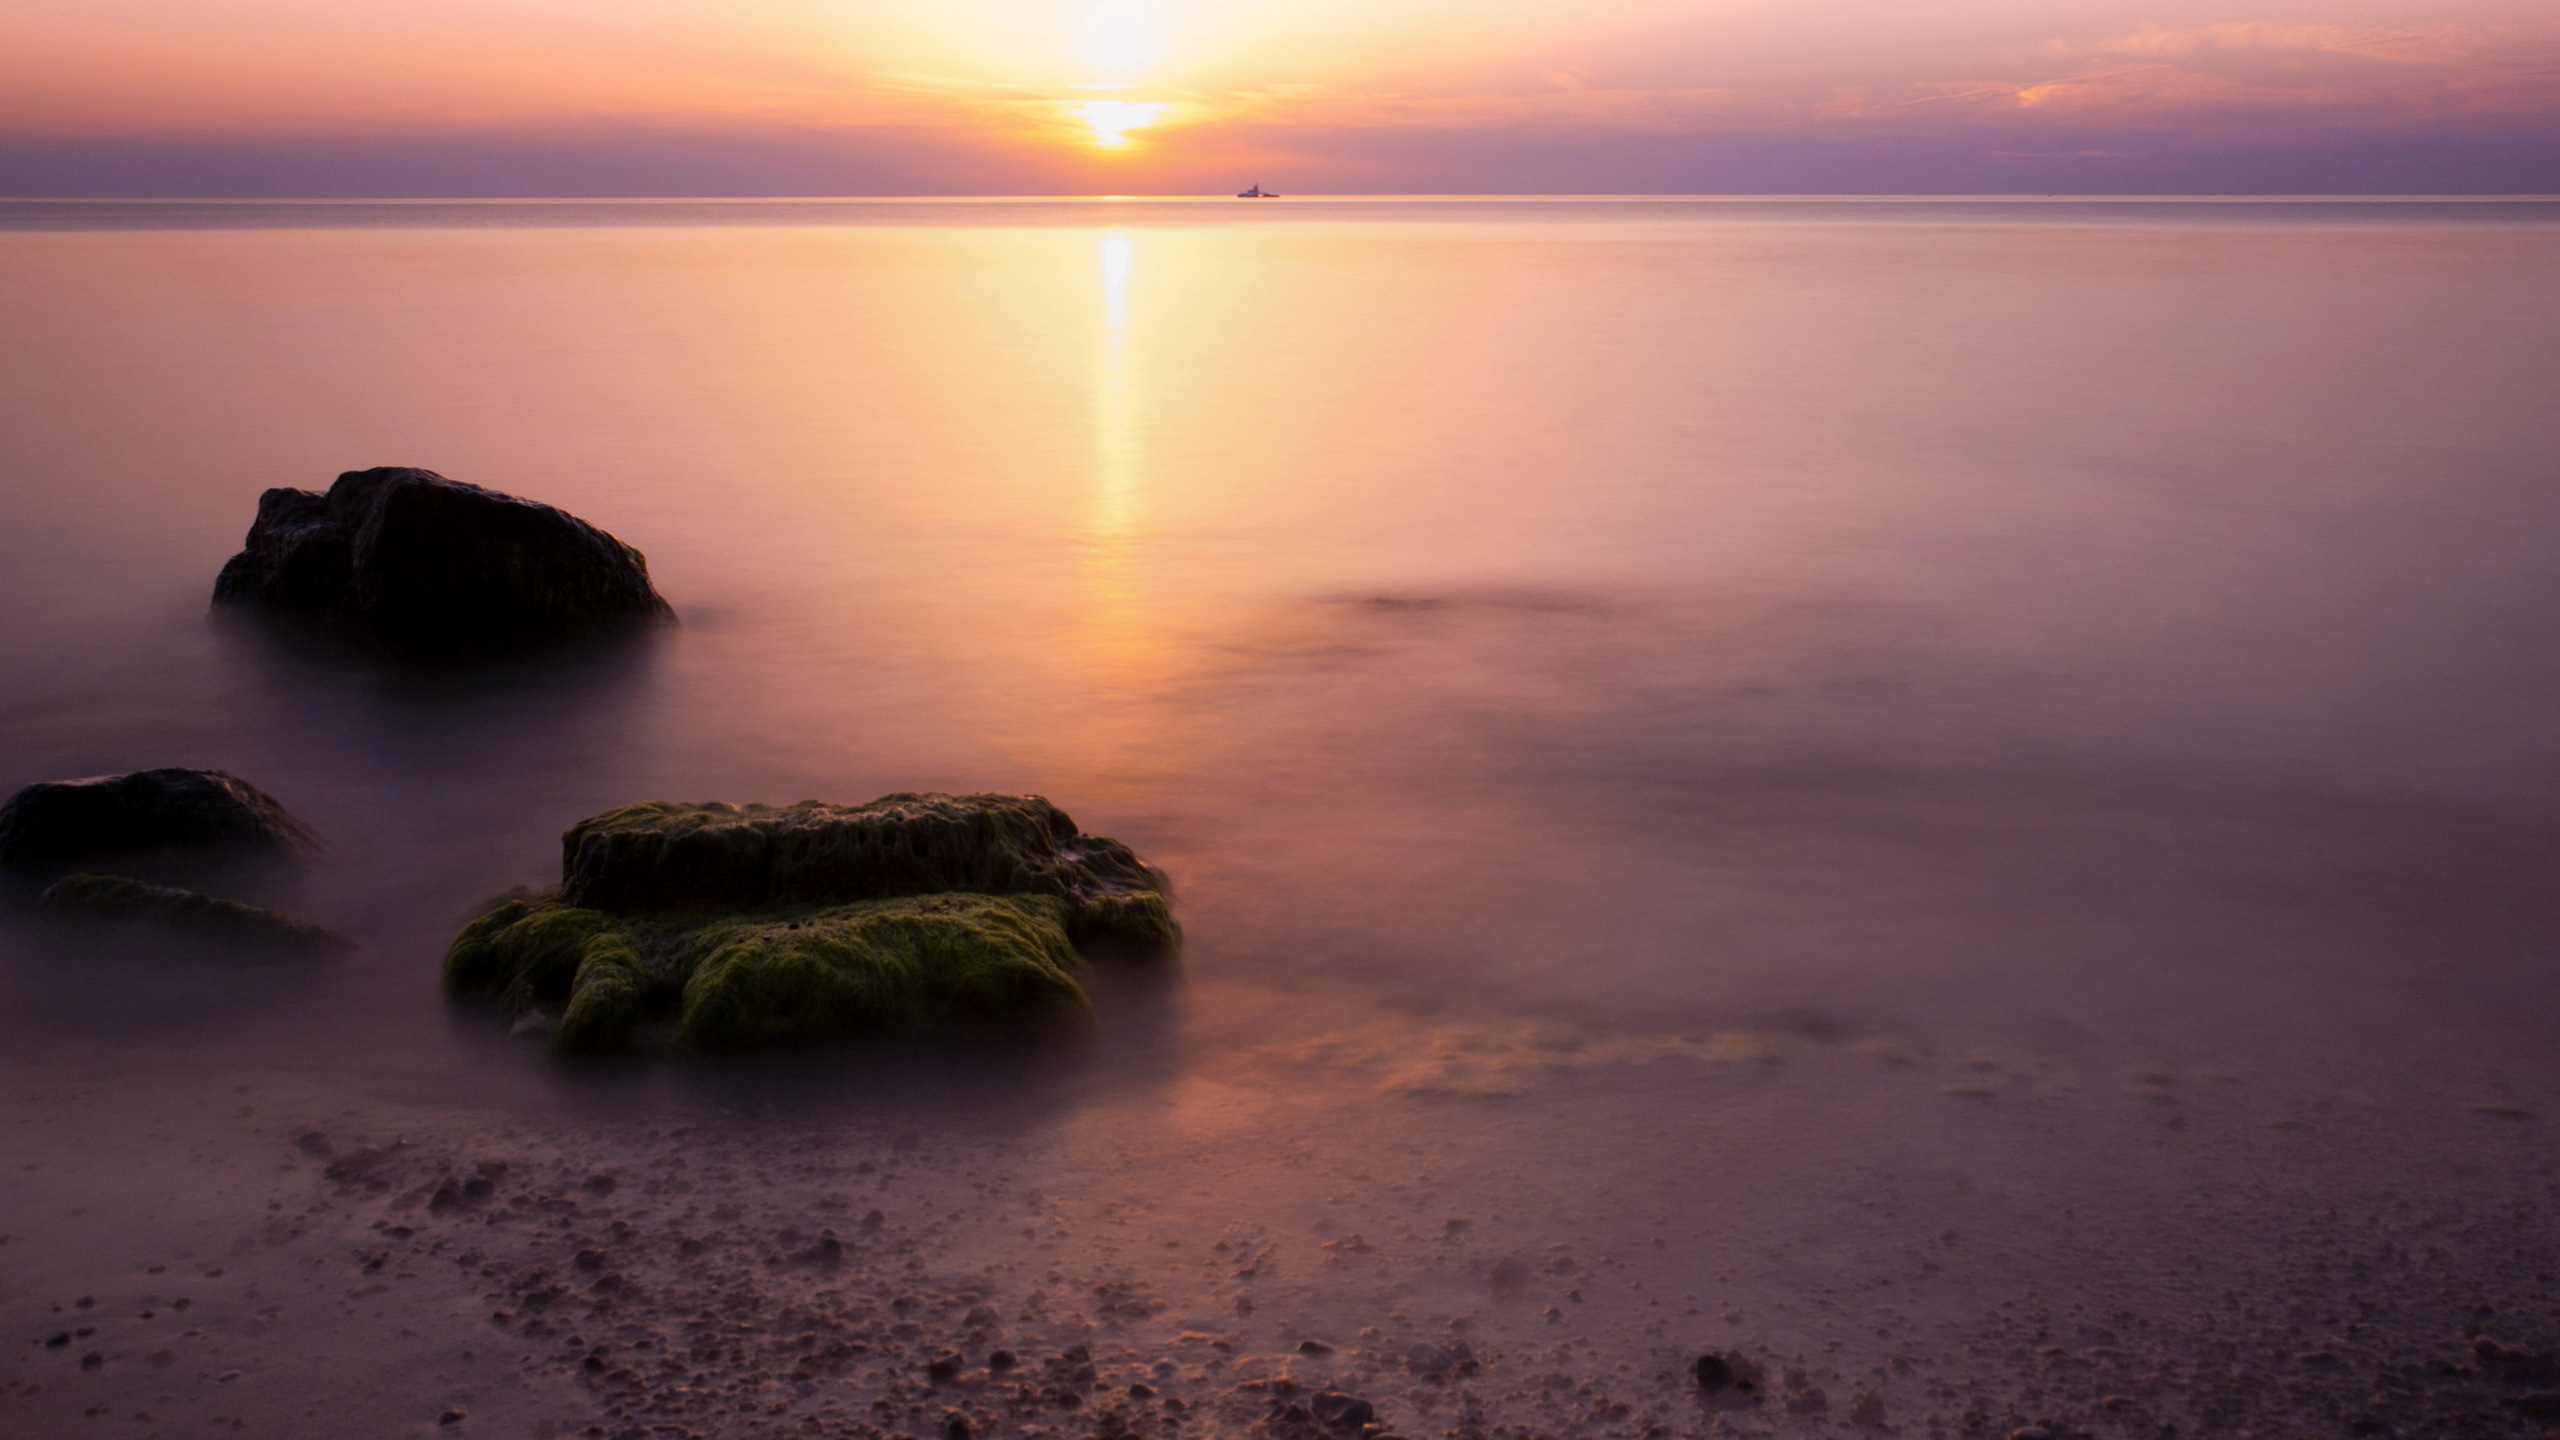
<point>1952,805</point>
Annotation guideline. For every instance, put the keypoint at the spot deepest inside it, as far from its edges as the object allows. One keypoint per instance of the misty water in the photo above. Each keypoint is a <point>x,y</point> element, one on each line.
<point>1958,799</point>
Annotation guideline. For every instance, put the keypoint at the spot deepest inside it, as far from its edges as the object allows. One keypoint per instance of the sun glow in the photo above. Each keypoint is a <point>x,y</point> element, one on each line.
<point>1121,40</point>
<point>1112,120</point>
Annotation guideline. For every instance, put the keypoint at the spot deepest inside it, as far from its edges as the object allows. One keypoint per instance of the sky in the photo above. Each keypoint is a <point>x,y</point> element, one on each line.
<point>870,97</point>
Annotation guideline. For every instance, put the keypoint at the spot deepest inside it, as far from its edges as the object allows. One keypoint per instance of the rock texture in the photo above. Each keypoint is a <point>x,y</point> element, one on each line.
<point>746,926</point>
<point>658,857</point>
<point>185,912</point>
<point>409,556</point>
<point>58,824</point>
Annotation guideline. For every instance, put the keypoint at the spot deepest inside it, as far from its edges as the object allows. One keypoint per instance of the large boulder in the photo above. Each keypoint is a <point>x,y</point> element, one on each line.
<point>410,556</point>
<point>759,925</point>
<point>185,913</point>
<point>58,824</point>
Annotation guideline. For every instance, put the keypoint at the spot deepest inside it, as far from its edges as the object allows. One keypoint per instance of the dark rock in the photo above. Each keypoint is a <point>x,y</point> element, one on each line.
<point>1438,1362</point>
<point>1001,1361</point>
<point>120,898</point>
<point>454,1416</point>
<point>1314,1347</point>
<point>409,556</point>
<point>1342,1411</point>
<point>1727,1380</point>
<point>942,1370</point>
<point>58,824</point>
<point>2512,1366</point>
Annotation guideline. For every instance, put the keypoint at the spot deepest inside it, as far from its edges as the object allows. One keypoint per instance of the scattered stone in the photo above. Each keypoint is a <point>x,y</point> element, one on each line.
<point>126,901</point>
<point>1727,1381</point>
<point>409,556</point>
<point>56,825</point>
<point>1342,1411</point>
<point>453,1416</point>
<point>1440,1362</point>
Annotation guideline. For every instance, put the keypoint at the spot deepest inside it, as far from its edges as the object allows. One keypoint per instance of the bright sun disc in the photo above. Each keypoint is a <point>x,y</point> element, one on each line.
<point>1112,120</point>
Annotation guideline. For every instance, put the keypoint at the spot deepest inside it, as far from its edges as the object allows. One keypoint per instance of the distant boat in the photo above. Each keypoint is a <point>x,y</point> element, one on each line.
<point>1257,193</point>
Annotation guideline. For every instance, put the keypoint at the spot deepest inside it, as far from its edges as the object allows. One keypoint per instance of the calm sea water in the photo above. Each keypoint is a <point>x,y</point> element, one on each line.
<point>1897,771</point>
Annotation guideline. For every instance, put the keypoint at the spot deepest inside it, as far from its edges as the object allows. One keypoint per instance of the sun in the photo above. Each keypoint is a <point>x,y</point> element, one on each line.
<point>1112,120</point>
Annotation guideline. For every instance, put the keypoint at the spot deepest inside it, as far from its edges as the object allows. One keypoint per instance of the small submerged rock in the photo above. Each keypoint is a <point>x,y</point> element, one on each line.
<point>756,925</point>
<point>409,556</point>
<point>57,824</point>
<point>121,899</point>
<point>1728,1381</point>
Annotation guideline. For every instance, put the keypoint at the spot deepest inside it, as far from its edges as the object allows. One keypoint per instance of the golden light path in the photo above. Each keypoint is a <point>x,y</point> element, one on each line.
<point>1120,637</point>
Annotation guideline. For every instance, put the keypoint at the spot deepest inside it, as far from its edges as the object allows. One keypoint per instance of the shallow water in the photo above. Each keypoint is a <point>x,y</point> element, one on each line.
<point>1955,797</point>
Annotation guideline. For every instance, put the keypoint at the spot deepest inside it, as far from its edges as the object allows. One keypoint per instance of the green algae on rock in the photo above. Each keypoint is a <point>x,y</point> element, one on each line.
<point>207,917</point>
<point>657,857</point>
<point>760,925</point>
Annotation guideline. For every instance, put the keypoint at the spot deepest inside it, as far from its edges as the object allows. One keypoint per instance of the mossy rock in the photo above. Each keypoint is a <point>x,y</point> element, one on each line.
<point>752,926</point>
<point>659,857</point>
<point>801,975</point>
<point>122,899</point>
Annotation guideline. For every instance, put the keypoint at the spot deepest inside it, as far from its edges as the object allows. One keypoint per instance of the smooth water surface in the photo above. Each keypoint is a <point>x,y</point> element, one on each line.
<point>1888,784</point>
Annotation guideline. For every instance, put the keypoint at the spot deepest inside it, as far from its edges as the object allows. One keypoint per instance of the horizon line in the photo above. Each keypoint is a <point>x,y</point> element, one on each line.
<point>2490,197</point>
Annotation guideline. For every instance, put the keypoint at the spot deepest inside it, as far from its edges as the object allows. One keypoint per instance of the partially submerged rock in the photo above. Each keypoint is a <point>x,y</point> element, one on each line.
<point>772,925</point>
<point>797,976</point>
<point>123,899</point>
<point>57,824</point>
<point>410,556</point>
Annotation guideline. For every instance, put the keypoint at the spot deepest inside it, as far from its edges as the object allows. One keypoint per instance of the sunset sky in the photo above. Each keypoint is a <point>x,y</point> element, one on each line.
<point>745,97</point>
